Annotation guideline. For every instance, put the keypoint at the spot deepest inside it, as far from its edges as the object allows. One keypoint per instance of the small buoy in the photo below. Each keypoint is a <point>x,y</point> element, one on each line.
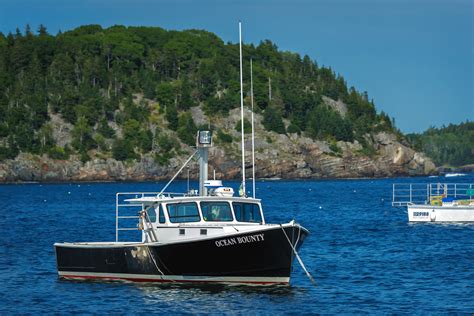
<point>89,194</point>
<point>69,192</point>
<point>78,185</point>
<point>44,200</point>
<point>355,191</point>
<point>320,207</point>
<point>310,189</point>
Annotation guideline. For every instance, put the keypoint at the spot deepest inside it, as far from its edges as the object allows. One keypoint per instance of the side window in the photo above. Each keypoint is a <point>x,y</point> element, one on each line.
<point>252,213</point>
<point>151,213</point>
<point>247,212</point>
<point>183,212</point>
<point>161,215</point>
<point>238,212</point>
<point>216,211</point>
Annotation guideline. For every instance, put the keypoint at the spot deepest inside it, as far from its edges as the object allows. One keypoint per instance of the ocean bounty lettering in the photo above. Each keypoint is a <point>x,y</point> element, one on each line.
<point>239,240</point>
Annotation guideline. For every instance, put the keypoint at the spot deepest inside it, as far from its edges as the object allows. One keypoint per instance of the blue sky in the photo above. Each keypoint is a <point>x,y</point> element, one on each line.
<point>414,57</point>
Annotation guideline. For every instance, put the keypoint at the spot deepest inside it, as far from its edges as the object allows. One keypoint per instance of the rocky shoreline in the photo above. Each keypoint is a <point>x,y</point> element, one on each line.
<point>285,157</point>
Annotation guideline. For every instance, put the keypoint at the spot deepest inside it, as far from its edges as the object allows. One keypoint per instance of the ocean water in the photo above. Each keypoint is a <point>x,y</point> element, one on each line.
<point>363,254</point>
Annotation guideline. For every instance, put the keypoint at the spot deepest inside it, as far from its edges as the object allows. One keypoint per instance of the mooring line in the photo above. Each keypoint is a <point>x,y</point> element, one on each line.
<point>152,258</point>
<point>298,257</point>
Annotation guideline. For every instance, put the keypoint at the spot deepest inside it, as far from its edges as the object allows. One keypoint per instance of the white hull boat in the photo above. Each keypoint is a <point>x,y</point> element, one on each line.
<point>433,213</point>
<point>436,202</point>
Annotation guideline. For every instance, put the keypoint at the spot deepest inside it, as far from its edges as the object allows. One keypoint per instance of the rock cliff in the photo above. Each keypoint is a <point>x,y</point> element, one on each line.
<point>277,156</point>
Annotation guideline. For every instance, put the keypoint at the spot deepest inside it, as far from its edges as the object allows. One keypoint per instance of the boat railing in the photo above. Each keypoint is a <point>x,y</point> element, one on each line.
<point>127,214</point>
<point>430,193</point>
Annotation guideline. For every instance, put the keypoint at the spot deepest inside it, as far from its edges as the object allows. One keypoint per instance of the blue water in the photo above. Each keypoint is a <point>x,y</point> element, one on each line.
<point>364,255</point>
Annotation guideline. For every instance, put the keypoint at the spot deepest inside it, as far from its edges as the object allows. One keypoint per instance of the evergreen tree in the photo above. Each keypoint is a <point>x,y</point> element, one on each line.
<point>187,129</point>
<point>273,121</point>
<point>82,135</point>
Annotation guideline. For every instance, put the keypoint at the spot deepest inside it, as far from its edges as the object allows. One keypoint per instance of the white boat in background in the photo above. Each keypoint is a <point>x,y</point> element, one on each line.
<point>435,202</point>
<point>449,175</point>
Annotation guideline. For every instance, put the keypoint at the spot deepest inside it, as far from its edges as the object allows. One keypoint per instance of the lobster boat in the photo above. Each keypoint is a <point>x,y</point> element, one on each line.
<point>208,235</point>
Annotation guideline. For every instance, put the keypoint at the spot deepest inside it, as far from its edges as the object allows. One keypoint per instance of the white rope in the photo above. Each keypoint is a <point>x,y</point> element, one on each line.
<point>152,258</point>
<point>298,257</point>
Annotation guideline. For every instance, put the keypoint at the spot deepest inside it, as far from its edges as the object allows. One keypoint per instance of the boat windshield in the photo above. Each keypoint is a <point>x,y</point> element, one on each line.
<point>247,212</point>
<point>183,212</point>
<point>216,211</point>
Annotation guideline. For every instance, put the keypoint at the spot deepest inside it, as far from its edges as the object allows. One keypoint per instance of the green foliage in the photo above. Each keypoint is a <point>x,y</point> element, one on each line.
<point>7,153</point>
<point>91,75</point>
<point>324,123</point>
<point>222,105</point>
<point>137,136</point>
<point>82,135</point>
<point>368,150</point>
<point>45,137</point>
<point>335,148</point>
<point>452,145</point>
<point>293,129</point>
<point>105,130</point>
<point>247,126</point>
<point>172,117</point>
<point>273,121</point>
<point>123,150</point>
<point>58,153</point>
<point>224,137</point>
<point>167,146</point>
<point>186,100</point>
<point>100,141</point>
<point>187,129</point>
<point>166,94</point>
<point>84,156</point>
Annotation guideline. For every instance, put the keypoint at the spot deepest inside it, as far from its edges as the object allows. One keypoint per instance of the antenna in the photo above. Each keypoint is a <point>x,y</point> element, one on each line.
<point>242,110</point>
<point>188,181</point>
<point>253,134</point>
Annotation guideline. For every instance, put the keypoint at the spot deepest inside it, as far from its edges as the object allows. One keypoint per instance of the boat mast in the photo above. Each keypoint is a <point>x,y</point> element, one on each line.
<point>203,166</point>
<point>203,142</point>
<point>242,110</point>
<point>253,134</point>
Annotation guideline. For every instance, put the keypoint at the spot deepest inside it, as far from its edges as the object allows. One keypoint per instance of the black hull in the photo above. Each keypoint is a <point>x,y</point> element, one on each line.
<point>260,257</point>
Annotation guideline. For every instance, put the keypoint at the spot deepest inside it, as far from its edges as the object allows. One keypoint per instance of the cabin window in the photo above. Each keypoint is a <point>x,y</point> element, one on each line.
<point>161,216</point>
<point>247,212</point>
<point>151,213</point>
<point>216,211</point>
<point>183,212</point>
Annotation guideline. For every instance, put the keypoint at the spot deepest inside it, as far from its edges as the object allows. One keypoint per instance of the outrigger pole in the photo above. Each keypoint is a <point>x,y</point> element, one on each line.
<point>253,134</point>
<point>242,111</point>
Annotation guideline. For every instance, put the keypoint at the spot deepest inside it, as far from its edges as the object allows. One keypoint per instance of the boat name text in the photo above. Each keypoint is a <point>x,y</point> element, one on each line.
<point>421,213</point>
<point>239,240</point>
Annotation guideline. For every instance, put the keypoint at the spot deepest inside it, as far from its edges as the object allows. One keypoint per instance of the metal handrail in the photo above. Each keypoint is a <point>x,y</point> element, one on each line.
<point>423,193</point>
<point>120,205</point>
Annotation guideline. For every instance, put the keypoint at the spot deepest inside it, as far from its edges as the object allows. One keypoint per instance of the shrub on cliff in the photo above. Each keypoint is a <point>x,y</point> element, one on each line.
<point>272,120</point>
<point>58,153</point>
<point>247,126</point>
<point>324,123</point>
<point>123,150</point>
<point>187,129</point>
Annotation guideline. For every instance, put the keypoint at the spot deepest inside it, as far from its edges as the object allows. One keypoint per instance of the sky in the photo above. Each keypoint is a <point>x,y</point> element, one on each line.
<point>413,57</point>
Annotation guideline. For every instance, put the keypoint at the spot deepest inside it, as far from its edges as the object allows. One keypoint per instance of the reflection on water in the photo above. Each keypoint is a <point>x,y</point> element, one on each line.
<point>205,298</point>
